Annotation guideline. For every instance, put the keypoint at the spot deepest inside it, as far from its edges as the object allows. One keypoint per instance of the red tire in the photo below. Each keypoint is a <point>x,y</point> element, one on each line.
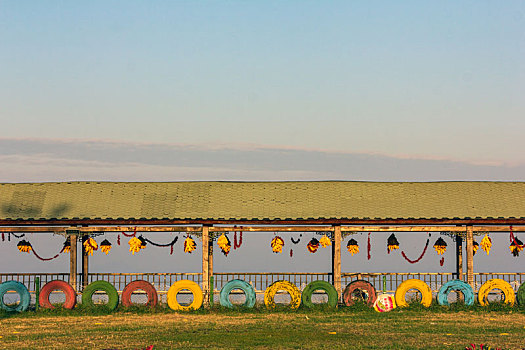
<point>364,287</point>
<point>131,287</point>
<point>49,287</point>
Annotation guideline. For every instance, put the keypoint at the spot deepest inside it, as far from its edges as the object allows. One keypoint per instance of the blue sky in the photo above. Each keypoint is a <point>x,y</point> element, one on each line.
<point>262,90</point>
<point>413,79</point>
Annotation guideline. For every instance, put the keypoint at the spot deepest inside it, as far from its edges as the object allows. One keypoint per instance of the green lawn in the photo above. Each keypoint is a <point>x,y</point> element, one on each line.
<point>346,328</point>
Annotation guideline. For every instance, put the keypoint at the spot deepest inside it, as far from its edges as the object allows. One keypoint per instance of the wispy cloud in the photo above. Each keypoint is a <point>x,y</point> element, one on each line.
<point>33,160</point>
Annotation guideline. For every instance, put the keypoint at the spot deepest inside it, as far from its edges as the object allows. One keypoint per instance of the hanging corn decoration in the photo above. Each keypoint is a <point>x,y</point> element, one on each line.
<point>352,246</point>
<point>105,246</point>
<point>189,245</point>
<point>313,245</point>
<point>516,247</point>
<point>225,244</point>
<point>325,241</point>
<point>475,247</point>
<point>392,243</point>
<point>90,245</point>
<point>440,246</point>
<point>486,244</point>
<point>67,246</point>
<point>277,244</point>
<point>24,246</point>
<point>135,245</point>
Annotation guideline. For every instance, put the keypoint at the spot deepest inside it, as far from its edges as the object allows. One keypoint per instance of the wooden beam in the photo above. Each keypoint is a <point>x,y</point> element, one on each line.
<point>344,221</point>
<point>206,265</point>
<point>73,262</point>
<point>85,263</point>
<point>470,257</point>
<point>336,260</point>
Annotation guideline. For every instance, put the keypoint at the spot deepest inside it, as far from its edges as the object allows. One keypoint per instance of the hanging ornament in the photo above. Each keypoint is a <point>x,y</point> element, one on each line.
<point>440,246</point>
<point>313,245</point>
<point>392,243</point>
<point>475,247</point>
<point>189,245</point>
<point>422,254</point>
<point>67,246</point>
<point>291,252</point>
<point>368,247</point>
<point>135,245</point>
<point>486,244</point>
<point>105,246</point>
<point>352,246</point>
<point>235,243</point>
<point>277,244</point>
<point>325,241</point>
<point>516,247</point>
<point>442,261</point>
<point>3,236</point>
<point>24,246</point>
<point>225,244</point>
<point>90,245</point>
<point>118,239</point>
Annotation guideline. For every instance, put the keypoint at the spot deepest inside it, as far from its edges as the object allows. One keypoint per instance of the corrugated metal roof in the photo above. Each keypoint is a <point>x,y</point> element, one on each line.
<point>262,200</point>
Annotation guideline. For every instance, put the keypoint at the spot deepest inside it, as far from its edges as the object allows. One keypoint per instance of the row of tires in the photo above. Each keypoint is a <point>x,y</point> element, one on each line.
<point>356,288</point>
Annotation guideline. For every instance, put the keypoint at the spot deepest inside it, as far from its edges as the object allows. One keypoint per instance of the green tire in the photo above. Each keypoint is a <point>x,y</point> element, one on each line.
<point>520,295</point>
<point>306,296</point>
<point>87,294</point>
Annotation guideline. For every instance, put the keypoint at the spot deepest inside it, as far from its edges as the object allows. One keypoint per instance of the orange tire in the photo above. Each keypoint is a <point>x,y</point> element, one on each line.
<point>131,287</point>
<point>45,292</point>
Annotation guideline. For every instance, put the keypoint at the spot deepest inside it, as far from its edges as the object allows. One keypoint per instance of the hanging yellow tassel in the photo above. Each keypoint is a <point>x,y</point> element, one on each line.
<point>224,243</point>
<point>486,244</point>
<point>325,241</point>
<point>277,244</point>
<point>135,245</point>
<point>189,245</point>
<point>313,245</point>
<point>90,245</point>
<point>352,246</point>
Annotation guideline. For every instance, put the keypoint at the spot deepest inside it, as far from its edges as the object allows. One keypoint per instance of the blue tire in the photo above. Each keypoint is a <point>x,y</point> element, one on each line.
<point>22,291</point>
<point>247,288</point>
<point>455,285</point>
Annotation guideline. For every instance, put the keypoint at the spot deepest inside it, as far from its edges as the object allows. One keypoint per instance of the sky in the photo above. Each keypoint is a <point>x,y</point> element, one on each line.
<point>262,90</point>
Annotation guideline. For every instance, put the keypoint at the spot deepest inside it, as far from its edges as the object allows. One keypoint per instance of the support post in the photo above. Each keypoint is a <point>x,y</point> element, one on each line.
<point>470,256</point>
<point>336,260</point>
<point>85,263</point>
<point>73,262</point>
<point>206,264</point>
<point>459,257</point>
<point>210,271</point>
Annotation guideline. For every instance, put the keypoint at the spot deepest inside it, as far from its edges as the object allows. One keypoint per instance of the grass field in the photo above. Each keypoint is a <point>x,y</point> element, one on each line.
<point>346,328</point>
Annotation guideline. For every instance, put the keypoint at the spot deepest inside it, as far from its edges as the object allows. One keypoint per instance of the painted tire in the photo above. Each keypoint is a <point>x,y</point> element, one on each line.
<point>306,296</point>
<point>22,291</point>
<point>269,294</point>
<point>361,285</point>
<point>49,287</point>
<point>520,295</point>
<point>455,285</point>
<point>422,287</point>
<point>193,287</point>
<point>496,283</point>
<point>247,288</point>
<point>104,286</point>
<point>151,292</point>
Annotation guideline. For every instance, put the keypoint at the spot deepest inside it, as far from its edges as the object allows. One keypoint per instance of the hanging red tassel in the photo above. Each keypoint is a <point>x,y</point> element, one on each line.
<point>442,261</point>
<point>3,236</point>
<point>291,253</point>
<point>118,239</point>
<point>235,243</point>
<point>171,252</point>
<point>368,247</point>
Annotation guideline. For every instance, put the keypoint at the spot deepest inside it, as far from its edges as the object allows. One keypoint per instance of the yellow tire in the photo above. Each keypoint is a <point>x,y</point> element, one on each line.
<point>269,294</point>
<point>422,287</point>
<point>181,285</point>
<point>496,283</point>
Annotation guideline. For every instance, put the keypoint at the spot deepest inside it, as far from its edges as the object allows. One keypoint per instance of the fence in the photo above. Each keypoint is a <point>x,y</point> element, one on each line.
<point>261,280</point>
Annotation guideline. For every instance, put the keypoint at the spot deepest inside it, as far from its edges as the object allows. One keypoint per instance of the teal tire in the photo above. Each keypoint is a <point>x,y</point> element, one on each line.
<point>103,286</point>
<point>25,297</point>
<point>520,295</point>
<point>247,288</point>
<point>455,285</point>
<point>306,296</point>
